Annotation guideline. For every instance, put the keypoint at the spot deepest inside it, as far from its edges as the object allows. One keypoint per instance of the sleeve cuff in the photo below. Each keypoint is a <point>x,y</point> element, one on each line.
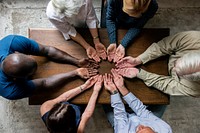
<point>72,32</point>
<point>92,23</point>
<point>115,98</point>
<point>141,74</point>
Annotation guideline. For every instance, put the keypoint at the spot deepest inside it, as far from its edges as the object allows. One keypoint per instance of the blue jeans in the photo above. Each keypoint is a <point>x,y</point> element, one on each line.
<point>157,110</point>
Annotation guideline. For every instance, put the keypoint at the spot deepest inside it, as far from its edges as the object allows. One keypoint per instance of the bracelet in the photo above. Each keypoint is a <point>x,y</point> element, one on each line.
<point>81,89</point>
<point>96,37</point>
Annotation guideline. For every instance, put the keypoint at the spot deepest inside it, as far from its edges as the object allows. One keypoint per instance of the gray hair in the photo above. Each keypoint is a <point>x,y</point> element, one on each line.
<point>67,7</point>
<point>188,66</point>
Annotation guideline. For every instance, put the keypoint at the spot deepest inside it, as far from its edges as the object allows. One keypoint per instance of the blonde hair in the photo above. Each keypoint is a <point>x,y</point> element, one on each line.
<point>67,7</point>
<point>188,66</point>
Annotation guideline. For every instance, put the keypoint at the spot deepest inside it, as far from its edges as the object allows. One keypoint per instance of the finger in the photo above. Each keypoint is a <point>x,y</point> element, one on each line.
<point>113,72</point>
<point>96,58</point>
<point>91,60</point>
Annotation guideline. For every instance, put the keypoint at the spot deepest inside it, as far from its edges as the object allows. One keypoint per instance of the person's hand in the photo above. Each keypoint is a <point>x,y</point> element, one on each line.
<point>88,63</point>
<point>118,80</point>
<point>128,72</point>
<point>128,62</point>
<point>92,53</point>
<point>111,52</point>
<point>86,72</point>
<point>108,83</point>
<point>101,50</point>
<point>90,82</point>
<point>98,84</point>
<point>119,54</point>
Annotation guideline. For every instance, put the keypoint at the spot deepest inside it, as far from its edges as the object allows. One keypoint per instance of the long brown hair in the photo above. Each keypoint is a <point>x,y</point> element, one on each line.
<point>61,119</point>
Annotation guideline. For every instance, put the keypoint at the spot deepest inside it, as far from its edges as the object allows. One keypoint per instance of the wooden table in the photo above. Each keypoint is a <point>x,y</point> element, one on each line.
<point>53,37</point>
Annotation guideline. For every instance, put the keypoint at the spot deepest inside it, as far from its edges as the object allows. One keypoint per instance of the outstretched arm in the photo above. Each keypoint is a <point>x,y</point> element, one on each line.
<point>46,106</point>
<point>58,55</point>
<point>167,84</point>
<point>60,79</point>
<point>91,105</point>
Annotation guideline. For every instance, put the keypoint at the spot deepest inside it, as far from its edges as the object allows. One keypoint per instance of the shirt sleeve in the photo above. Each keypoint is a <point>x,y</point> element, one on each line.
<point>174,44</point>
<point>111,21</point>
<point>65,28</point>
<point>24,45</point>
<point>166,84</point>
<point>137,106</point>
<point>120,115</point>
<point>91,20</point>
<point>136,29</point>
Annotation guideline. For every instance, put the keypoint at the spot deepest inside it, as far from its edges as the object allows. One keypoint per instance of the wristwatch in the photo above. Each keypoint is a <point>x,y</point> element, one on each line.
<point>114,92</point>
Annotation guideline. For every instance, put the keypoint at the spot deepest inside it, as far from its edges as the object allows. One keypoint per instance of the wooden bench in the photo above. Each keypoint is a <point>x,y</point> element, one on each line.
<point>53,37</point>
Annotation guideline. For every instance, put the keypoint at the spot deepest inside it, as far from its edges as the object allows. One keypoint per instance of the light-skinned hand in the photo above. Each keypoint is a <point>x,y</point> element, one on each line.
<point>92,53</point>
<point>111,51</point>
<point>128,72</point>
<point>88,63</point>
<point>101,50</point>
<point>98,84</point>
<point>128,62</point>
<point>118,79</point>
<point>90,82</point>
<point>119,54</point>
<point>108,83</point>
<point>86,72</point>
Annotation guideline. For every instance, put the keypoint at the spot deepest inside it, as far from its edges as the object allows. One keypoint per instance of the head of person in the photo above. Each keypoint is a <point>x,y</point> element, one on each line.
<point>144,129</point>
<point>61,119</point>
<point>19,65</point>
<point>68,8</point>
<point>188,66</point>
<point>135,8</point>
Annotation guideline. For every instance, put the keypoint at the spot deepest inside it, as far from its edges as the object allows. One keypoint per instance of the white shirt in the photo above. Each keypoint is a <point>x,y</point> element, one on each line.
<point>85,18</point>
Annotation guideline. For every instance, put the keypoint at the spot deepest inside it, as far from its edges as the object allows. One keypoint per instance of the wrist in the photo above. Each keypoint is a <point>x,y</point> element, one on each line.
<point>138,60</point>
<point>113,92</point>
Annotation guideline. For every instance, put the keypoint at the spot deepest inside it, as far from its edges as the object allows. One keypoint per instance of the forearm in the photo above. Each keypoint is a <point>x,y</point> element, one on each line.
<point>111,23</point>
<point>60,56</point>
<point>130,36</point>
<point>53,81</point>
<point>72,93</point>
<point>137,106</point>
<point>88,112</point>
<point>166,84</point>
<point>123,90</point>
<point>95,35</point>
<point>91,104</point>
<point>80,40</point>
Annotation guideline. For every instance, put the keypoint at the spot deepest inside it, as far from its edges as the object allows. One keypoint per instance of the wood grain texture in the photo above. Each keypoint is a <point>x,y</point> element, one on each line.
<point>53,37</point>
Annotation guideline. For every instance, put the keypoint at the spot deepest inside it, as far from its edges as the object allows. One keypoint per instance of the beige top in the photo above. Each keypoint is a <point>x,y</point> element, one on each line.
<point>176,46</point>
<point>85,18</point>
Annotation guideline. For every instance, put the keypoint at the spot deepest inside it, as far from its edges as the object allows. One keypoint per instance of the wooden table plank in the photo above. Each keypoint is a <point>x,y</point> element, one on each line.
<point>53,37</point>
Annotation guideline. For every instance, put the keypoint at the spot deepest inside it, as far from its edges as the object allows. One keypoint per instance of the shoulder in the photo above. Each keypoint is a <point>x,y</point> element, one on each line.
<point>46,106</point>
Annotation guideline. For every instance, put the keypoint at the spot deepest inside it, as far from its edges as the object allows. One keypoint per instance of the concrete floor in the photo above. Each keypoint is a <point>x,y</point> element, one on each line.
<point>18,15</point>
